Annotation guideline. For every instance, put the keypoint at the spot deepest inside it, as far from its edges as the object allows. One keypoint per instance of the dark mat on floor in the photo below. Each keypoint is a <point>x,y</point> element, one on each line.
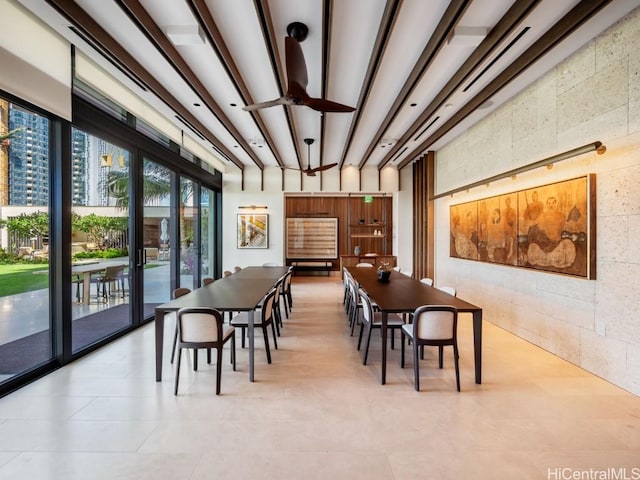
<point>27,352</point>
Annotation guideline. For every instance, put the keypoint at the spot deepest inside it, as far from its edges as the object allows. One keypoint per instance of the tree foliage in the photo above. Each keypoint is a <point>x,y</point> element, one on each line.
<point>98,227</point>
<point>29,224</point>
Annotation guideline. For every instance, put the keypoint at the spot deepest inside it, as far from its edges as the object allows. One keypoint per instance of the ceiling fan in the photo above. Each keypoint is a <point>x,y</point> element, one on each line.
<point>297,79</point>
<point>311,172</point>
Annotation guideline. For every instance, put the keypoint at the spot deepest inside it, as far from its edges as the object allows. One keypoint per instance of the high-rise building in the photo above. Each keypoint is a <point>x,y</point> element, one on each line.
<point>28,175</point>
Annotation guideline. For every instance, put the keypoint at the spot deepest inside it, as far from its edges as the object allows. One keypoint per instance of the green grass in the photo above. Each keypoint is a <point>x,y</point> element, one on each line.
<point>21,277</point>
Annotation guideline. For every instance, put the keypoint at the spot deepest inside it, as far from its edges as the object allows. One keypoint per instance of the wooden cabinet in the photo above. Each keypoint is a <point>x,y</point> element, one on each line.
<point>367,226</point>
<point>376,261</point>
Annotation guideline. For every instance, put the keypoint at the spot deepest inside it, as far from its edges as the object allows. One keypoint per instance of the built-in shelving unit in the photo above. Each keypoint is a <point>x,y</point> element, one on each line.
<point>367,224</point>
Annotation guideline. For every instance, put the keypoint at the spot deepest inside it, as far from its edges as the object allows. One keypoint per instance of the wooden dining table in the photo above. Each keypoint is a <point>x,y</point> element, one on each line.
<point>403,294</point>
<point>240,292</point>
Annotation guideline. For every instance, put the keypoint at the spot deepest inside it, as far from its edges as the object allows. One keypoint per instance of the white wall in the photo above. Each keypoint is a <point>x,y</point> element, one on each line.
<point>273,194</point>
<point>593,95</point>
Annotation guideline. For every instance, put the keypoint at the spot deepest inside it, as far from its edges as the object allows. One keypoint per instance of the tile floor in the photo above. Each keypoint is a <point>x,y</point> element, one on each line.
<point>318,413</point>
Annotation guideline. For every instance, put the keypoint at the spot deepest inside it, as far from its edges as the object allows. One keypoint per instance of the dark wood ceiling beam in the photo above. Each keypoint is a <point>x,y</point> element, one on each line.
<point>445,27</point>
<point>205,19</point>
<point>507,24</point>
<point>327,12</point>
<point>389,18</point>
<point>562,29</point>
<point>271,42</point>
<point>107,45</point>
<point>146,24</point>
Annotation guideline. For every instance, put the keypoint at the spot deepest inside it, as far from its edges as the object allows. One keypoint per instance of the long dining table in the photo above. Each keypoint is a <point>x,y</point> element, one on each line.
<point>240,292</point>
<point>403,294</point>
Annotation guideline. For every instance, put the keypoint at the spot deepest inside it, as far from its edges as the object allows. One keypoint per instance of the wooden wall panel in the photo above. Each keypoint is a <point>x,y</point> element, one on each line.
<point>333,206</point>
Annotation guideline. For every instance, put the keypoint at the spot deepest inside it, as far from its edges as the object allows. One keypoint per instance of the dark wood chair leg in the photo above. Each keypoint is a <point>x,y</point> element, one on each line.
<point>266,344</point>
<point>218,369</point>
<point>416,368</point>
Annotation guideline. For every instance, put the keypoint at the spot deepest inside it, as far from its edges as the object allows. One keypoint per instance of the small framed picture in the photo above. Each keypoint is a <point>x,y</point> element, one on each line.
<point>253,230</point>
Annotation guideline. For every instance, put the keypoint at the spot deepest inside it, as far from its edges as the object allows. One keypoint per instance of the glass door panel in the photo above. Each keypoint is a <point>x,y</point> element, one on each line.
<point>207,232</point>
<point>100,239</point>
<point>25,329</point>
<point>158,226</point>
<point>188,250</point>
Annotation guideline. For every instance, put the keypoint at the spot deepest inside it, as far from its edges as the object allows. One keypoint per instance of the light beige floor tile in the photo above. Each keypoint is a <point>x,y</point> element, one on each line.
<point>316,412</point>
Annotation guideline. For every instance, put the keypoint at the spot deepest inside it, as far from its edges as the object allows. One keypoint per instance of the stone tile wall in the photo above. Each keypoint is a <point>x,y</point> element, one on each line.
<point>593,95</point>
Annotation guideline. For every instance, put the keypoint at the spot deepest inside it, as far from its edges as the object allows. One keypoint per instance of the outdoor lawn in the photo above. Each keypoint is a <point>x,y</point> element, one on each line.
<point>25,277</point>
<point>22,277</point>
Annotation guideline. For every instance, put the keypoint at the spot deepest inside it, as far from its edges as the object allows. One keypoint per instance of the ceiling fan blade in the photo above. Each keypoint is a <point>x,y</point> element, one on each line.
<point>322,168</point>
<point>270,103</point>
<point>296,66</point>
<point>322,105</point>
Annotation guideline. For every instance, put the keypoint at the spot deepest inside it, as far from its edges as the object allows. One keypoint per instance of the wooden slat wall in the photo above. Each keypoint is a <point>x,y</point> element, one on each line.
<point>317,206</point>
<point>423,211</point>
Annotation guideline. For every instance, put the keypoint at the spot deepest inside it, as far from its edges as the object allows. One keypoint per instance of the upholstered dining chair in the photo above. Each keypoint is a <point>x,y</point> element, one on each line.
<point>286,292</point>
<point>207,281</point>
<point>201,327</point>
<point>371,320</point>
<point>354,305</point>
<point>427,281</point>
<point>450,290</point>
<point>178,292</point>
<point>433,325</point>
<point>237,268</point>
<point>365,265</point>
<point>408,273</point>
<point>277,313</point>
<point>397,269</point>
<point>345,284</point>
<point>226,273</point>
<point>262,321</point>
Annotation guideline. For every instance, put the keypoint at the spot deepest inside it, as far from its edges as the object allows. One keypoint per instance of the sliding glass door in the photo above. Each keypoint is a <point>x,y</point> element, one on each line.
<point>157,235</point>
<point>100,245</point>
<point>25,325</point>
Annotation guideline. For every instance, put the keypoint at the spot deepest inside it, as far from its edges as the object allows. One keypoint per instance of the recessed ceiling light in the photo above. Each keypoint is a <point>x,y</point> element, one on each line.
<point>196,104</point>
<point>467,36</point>
<point>185,34</point>
<point>448,105</point>
<point>233,104</point>
<point>414,104</point>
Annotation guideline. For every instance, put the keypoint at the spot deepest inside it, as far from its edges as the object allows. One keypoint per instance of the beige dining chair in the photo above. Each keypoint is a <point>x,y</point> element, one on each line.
<point>207,281</point>
<point>178,292</point>
<point>364,264</point>
<point>427,281</point>
<point>285,294</point>
<point>226,273</point>
<point>450,290</point>
<point>201,327</point>
<point>433,325</point>
<point>263,321</point>
<point>237,268</point>
<point>371,320</point>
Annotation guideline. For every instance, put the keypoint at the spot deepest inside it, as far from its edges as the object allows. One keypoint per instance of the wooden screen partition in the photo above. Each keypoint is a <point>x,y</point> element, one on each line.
<point>312,238</point>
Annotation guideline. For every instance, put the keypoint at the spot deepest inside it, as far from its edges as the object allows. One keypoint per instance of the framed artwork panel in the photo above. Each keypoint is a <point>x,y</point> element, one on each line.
<point>549,228</point>
<point>253,230</point>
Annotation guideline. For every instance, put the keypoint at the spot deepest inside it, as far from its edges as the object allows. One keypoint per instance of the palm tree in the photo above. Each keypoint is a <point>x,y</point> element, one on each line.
<point>156,184</point>
<point>4,137</point>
